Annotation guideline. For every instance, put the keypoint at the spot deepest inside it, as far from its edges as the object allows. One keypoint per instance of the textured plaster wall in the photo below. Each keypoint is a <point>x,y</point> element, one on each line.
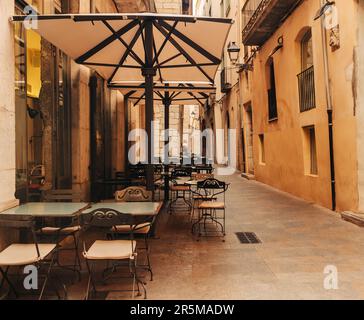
<point>284,143</point>
<point>7,114</point>
<point>169,6</point>
<point>358,87</point>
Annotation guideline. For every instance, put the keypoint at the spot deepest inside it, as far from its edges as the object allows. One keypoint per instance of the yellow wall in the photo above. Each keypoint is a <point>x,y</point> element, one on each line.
<point>284,140</point>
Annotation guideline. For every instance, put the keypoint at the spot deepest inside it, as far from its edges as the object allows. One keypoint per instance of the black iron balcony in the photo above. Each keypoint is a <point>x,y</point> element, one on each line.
<point>225,80</point>
<point>306,87</point>
<point>261,18</point>
<point>272,105</point>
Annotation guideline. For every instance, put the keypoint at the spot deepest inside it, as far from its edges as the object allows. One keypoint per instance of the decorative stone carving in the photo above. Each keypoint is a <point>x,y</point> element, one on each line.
<point>335,38</point>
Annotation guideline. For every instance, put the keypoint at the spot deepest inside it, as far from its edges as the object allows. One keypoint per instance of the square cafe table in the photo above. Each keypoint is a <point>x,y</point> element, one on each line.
<point>133,208</point>
<point>48,209</point>
<point>43,210</point>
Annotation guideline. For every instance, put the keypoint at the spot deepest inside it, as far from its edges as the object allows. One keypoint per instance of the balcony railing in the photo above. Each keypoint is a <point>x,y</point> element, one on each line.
<point>249,9</point>
<point>225,80</point>
<point>272,104</point>
<point>306,87</point>
<point>261,18</point>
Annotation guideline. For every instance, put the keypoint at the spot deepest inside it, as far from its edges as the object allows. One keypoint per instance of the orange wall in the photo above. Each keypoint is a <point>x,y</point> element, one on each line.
<point>284,143</point>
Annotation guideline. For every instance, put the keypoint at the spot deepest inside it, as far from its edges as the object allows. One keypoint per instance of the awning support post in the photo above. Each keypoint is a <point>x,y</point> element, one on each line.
<point>149,73</point>
<point>167,104</point>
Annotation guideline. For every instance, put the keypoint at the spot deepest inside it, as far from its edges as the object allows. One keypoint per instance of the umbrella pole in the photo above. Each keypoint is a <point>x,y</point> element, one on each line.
<point>167,103</point>
<point>149,72</point>
<point>126,134</point>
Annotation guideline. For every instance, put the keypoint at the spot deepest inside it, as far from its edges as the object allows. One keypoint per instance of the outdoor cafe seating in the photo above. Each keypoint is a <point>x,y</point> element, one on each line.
<point>116,233</point>
<point>124,224</point>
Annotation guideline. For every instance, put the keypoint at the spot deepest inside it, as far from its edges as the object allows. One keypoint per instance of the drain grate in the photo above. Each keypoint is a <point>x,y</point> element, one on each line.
<point>248,238</point>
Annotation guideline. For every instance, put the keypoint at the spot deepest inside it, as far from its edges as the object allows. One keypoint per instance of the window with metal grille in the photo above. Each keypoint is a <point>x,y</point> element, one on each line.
<point>272,96</point>
<point>306,79</point>
<point>306,87</point>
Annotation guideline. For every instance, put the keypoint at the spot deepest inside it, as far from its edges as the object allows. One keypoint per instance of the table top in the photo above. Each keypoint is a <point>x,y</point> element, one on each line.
<point>47,209</point>
<point>133,208</point>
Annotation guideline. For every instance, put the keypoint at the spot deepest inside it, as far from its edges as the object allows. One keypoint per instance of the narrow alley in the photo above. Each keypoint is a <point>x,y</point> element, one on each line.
<point>299,240</point>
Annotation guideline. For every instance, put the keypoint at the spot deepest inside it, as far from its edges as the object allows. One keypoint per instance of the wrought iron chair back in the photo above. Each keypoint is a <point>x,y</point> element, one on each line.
<point>181,173</point>
<point>105,218</point>
<point>212,188</point>
<point>134,194</point>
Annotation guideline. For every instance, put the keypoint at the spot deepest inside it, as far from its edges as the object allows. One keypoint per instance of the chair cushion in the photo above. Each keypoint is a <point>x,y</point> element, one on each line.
<point>211,205</point>
<point>24,254</point>
<point>64,231</point>
<point>180,188</point>
<point>111,250</point>
<point>140,229</point>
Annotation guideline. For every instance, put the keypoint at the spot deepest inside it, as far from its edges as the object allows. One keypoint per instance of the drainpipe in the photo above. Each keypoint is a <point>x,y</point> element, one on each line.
<point>329,108</point>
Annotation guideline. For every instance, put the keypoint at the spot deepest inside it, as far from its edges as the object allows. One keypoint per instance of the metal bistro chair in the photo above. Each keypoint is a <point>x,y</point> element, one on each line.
<point>115,251</point>
<point>210,191</point>
<point>158,182</point>
<point>197,198</point>
<point>19,255</point>
<point>180,191</point>
<point>64,228</point>
<point>144,225</point>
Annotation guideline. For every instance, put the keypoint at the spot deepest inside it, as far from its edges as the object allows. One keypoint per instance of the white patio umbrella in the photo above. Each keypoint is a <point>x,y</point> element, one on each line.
<point>171,93</point>
<point>127,48</point>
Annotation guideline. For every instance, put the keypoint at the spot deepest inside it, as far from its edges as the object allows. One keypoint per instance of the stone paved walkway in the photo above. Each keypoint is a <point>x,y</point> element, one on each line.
<point>298,241</point>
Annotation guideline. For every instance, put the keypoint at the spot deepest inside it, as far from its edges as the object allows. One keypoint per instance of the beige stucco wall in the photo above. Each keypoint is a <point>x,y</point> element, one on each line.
<point>169,6</point>
<point>345,126</point>
<point>7,114</point>
<point>284,168</point>
<point>358,87</point>
<point>228,104</point>
<point>81,129</point>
